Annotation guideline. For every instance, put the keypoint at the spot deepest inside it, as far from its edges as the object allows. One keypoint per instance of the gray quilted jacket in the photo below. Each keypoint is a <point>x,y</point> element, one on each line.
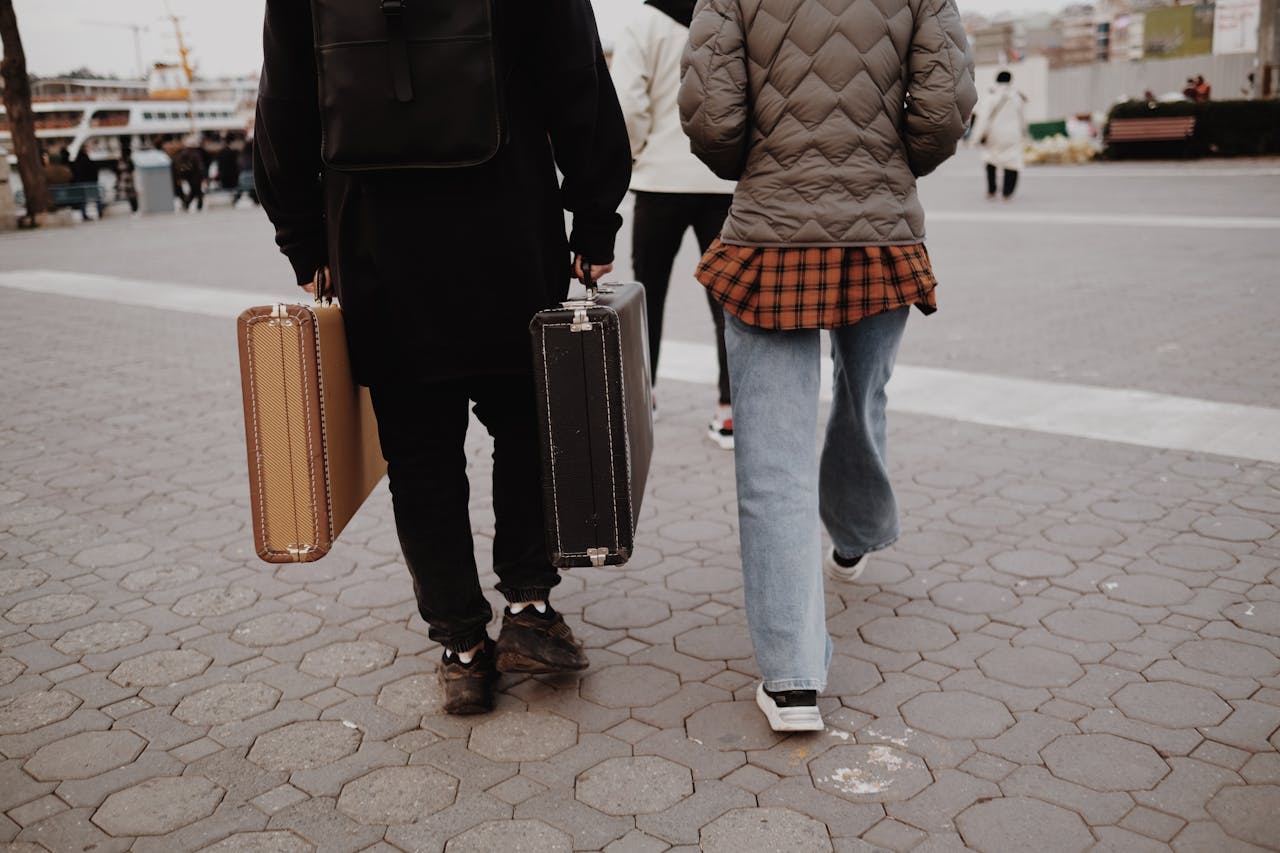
<point>825,112</point>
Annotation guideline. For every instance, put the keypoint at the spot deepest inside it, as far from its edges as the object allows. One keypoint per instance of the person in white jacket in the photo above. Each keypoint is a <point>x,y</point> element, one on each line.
<point>1000,130</point>
<point>674,191</point>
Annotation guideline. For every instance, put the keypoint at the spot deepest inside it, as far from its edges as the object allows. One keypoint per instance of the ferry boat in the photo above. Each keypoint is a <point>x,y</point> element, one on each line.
<point>105,115</point>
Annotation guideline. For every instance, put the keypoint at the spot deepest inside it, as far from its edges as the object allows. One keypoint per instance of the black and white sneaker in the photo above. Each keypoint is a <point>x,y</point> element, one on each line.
<point>843,569</point>
<point>790,710</point>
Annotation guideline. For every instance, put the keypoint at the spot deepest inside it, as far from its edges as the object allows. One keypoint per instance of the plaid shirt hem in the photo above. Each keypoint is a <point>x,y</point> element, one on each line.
<point>816,287</point>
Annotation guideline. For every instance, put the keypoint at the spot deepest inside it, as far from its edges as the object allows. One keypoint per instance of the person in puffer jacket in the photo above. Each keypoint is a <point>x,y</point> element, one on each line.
<point>825,114</point>
<point>674,192</point>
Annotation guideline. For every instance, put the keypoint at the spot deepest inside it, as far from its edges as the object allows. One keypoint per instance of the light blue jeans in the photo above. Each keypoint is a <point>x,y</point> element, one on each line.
<point>784,490</point>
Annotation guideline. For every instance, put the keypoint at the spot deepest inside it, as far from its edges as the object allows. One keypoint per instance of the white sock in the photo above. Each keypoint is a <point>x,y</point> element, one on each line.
<point>516,607</point>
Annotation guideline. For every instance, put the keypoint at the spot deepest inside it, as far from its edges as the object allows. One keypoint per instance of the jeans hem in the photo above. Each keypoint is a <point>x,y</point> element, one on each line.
<point>780,684</point>
<point>867,551</point>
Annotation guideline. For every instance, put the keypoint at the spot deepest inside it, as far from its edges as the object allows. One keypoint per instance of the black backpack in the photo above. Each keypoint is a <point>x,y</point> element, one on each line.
<point>407,84</point>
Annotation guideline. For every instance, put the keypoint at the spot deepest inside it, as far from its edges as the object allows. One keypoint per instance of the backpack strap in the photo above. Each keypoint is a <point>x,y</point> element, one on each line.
<point>393,12</point>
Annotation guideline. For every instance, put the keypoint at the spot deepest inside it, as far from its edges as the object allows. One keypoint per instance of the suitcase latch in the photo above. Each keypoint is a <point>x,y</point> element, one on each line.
<point>280,316</point>
<point>300,552</point>
<point>597,556</point>
<point>580,322</point>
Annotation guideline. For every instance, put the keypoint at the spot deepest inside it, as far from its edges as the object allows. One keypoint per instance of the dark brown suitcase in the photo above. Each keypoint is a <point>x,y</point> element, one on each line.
<point>595,417</point>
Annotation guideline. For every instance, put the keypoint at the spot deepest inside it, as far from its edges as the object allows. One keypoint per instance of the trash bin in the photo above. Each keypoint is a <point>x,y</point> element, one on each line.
<point>154,180</point>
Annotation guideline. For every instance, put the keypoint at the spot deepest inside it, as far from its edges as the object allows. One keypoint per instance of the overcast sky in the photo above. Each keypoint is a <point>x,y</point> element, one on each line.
<point>224,35</point>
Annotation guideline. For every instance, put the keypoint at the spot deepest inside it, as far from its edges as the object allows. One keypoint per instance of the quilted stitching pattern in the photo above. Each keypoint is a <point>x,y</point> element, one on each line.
<point>826,110</point>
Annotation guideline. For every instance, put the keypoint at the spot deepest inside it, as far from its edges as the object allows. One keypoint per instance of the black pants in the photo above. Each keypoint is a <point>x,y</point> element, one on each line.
<point>1010,180</point>
<point>422,427</point>
<point>660,222</point>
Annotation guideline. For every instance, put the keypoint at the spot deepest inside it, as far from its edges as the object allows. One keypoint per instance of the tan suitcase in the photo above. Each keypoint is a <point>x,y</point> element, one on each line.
<point>312,439</point>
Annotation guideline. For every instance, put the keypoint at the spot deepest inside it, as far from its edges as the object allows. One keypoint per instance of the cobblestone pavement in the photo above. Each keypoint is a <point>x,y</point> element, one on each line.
<point>1074,646</point>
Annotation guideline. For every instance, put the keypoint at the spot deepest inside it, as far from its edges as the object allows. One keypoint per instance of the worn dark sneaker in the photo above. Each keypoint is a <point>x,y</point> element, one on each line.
<point>468,687</point>
<point>538,642</point>
<point>790,710</point>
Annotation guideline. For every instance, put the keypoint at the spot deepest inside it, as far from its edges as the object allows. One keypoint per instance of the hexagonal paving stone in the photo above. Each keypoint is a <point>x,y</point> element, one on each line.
<point>376,595</point>
<point>732,725</point>
<point>628,786</point>
<point>215,602</point>
<point>1030,563</point>
<point>1227,657</point>
<point>19,580</point>
<point>10,669</point>
<point>705,580</point>
<point>973,597</point>
<point>84,755</point>
<point>414,696</point>
<point>299,746</point>
<point>765,831</point>
<point>849,676</point>
<point>626,612</point>
<point>1260,616</point>
<point>957,715</point>
<point>49,608</point>
<point>932,543</point>
<point>1233,528</point>
<point>532,836</point>
<point>1171,704</point>
<point>158,806</point>
<point>907,634</point>
<point>525,736</point>
<point>343,659</point>
<point>30,711</point>
<point>156,668</point>
<point>1147,590</point>
<point>1030,666</point>
<point>276,629</point>
<point>716,642</point>
<point>1193,558</point>
<point>391,795</point>
<point>1249,814</point>
<point>1092,626</point>
<point>270,841</point>
<point>1084,535</point>
<point>227,703</point>
<point>1128,510</point>
<point>629,686</point>
<point>102,637</point>
<point>1019,823</point>
<point>870,774</point>
<point>159,577</point>
<point>114,554</point>
<point>1105,762</point>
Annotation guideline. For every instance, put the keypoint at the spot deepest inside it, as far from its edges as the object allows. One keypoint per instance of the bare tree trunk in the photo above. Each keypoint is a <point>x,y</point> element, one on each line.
<point>17,104</point>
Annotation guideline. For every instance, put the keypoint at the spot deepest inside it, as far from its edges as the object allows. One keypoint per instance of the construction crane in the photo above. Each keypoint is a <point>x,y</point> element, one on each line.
<point>138,30</point>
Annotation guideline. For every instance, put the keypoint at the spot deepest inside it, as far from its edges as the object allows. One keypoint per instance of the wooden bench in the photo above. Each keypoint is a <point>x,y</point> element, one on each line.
<point>1161,129</point>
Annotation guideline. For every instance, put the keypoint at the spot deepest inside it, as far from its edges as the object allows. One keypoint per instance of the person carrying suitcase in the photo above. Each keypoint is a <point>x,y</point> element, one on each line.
<point>440,261</point>
<point>839,108</point>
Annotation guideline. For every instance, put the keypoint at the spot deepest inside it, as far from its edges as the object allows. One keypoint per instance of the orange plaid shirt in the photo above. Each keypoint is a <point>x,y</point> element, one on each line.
<point>816,287</point>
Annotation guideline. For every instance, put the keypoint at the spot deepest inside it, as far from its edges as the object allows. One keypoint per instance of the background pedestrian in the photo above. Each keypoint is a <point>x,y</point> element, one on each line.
<point>673,190</point>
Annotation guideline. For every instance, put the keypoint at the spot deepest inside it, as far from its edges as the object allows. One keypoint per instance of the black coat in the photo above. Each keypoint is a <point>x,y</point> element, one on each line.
<point>440,271</point>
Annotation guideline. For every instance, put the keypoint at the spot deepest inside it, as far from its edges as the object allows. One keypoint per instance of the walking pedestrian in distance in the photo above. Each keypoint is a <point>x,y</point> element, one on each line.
<point>825,232</point>
<point>673,190</point>
<point>1000,130</point>
<point>439,271</point>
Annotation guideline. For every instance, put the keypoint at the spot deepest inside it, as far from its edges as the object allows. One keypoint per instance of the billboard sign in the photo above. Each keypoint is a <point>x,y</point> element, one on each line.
<point>1178,31</point>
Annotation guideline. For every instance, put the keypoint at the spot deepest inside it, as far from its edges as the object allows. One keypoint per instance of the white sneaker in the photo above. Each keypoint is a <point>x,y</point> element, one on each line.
<point>790,710</point>
<point>844,574</point>
<point>721,429</point>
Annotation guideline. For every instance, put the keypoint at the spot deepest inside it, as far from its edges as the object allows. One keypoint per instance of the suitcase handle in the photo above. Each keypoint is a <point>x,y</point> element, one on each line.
<point>588,281</point>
